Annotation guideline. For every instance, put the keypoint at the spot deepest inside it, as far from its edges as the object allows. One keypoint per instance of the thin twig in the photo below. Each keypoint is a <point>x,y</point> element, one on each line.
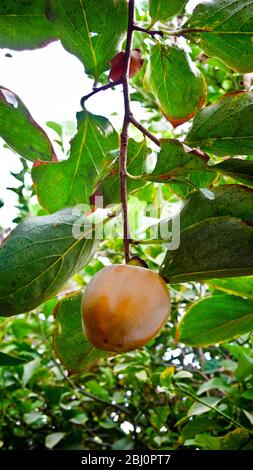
<point>167,32</point>
<point>124,133</point>
<point>144,131</point>
<point>151,32</point>
<point>97,90</point>
<point>184,32</point>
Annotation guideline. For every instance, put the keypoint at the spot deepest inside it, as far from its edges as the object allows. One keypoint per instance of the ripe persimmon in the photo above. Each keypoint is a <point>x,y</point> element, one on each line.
<point>124,307</point>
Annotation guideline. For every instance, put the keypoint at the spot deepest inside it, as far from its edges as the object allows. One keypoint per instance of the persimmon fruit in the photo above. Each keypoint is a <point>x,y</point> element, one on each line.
<point>123,307</point>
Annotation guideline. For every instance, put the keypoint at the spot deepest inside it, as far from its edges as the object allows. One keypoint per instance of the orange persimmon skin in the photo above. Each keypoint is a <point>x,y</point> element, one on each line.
<point>118,63</point>
<point>124,307</point>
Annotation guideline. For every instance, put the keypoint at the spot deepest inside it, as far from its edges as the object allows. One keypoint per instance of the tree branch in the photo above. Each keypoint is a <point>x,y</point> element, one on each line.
<point>179,32</point>
<point>124,133</point>
<point>151,32</point>
<point>144,131</point>
<point>97,90</point>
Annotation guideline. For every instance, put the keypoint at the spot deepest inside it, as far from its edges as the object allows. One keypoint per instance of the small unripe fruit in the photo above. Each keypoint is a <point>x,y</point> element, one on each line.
<point>118,64</point>
<point>124,307</point>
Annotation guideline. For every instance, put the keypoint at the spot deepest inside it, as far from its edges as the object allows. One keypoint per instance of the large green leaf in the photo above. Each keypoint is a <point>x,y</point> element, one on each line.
<point>242,286</point>
<point>178,161</point>
<point>8,360</point>
<point>226,127</point>
<point>181,168</point>
<point>71,346</point>
<point>110,186</point>
<point>232,200</point>
<point>215,319</point>
<point>90,30</point>
<point>241,170</point>
<point>20,131</point>
<point>177,84</point>
<point>227,200</point>
<point>229,31</point>
<point>213,248</point>
<point>163,10</point>
<point>73,181</point>
<point>24,25</point>
<point>38,258</point>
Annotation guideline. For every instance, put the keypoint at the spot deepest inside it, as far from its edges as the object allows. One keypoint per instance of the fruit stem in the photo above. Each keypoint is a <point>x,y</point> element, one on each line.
<point>124,133</point>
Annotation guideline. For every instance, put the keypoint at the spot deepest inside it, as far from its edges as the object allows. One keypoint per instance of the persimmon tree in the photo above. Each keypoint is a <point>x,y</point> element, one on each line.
<point>194,146</point>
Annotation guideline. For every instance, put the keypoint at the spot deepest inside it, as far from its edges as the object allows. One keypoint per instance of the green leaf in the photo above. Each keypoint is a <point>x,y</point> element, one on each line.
<point>158,416</point>
<point>53,439</point>
<point>207,442</point>
<point>8,360</point>
<point>232,200</point>
<point>242,286</point>
<point>163,10</point>
<point>30,370</point>
<point>184,186</point>
<point>229,31</point>
<point>20,131</point>
<point>24,25</point>
<point>177,84</point>
<point>181,168</point>
<point>71,346</point>
<point>125,443</point>
<point>241,170</point>
<point>226,127</point>
<point>248,395</point>
<point>73,181</point>
<point>249,416</point>
<point>245,366</point>
<point>212,384</point>
<point>233,440</point>
<point>91,32</point>
<point>38,258</point>
<point>35,419</point>
<point>176,160</point>
<point>212,248</point>
<point>215,319</point>
<point>166,376</point>
<point>81,419</point>
<point>199,424</point>
<point>110,186</point>
<point>200,408</point>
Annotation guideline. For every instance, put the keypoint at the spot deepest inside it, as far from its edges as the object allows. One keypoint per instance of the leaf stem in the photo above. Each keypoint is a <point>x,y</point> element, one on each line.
<point>126,122</point>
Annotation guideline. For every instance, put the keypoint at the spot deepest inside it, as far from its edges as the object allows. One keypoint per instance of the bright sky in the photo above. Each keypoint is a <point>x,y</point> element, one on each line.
<point>50,82</point>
